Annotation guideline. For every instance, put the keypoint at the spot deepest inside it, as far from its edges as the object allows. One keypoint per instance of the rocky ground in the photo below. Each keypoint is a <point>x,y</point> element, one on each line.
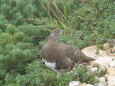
<point>105,59</point>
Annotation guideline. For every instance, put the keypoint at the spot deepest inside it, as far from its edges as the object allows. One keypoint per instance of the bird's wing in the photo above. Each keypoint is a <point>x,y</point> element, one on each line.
<point>76,54</point>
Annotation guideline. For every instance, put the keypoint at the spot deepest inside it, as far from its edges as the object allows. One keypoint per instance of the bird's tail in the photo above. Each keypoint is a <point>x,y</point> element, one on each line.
<point>87,59</point>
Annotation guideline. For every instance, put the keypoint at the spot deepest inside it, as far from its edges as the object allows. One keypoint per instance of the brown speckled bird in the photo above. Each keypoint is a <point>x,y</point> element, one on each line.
<point>59,56</point>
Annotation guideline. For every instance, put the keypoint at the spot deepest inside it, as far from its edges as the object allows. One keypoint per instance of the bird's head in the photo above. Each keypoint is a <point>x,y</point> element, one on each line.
<point>55,33</point>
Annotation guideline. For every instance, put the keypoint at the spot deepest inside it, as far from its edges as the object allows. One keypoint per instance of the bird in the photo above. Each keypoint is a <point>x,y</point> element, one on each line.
<point>59,56</point>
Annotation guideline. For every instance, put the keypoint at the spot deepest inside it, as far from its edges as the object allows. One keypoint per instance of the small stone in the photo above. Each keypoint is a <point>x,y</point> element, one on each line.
<point>103,61</point>
<point>94,69</point>
<point>112,64</point>
<point>111,80</point>
<point>107,48</point>
<point>74,83</point>
<point>101,82</point>
<point>113,49</point>
<point>111,71</point>
<point>84,84</point>
<point>89,85</point>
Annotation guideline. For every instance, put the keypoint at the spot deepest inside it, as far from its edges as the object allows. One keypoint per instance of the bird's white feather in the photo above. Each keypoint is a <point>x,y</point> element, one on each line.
<point>51,65</point>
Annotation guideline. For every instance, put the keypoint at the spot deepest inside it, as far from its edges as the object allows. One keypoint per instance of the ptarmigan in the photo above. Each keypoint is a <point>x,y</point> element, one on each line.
<point>59,56</point>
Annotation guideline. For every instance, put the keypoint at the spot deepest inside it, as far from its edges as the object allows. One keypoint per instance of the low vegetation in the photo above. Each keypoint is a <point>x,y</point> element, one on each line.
<point>25,26</point>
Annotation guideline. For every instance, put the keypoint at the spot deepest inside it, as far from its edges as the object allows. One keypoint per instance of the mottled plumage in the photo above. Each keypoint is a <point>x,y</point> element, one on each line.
<point>60,55</point>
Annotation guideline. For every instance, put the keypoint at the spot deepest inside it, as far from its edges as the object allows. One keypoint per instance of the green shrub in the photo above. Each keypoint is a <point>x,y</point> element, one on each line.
<point>25,26</point>
<point>14,51</point>
<point>38,74</point>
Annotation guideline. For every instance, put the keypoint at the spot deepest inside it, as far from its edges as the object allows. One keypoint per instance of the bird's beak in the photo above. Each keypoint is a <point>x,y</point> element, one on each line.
<point>61,31</point>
